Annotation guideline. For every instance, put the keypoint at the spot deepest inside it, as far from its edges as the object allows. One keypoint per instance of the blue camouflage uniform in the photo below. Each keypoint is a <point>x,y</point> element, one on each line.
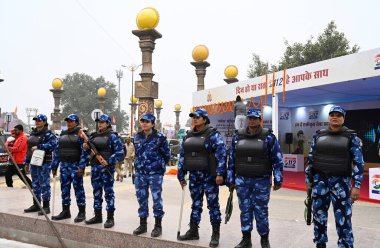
<point>102,177</point>
<point>254,192</point>
<point>41,174</point>
<point>69,170</point>
<point>203,181</point>
<point>335,189</point>
<point>152,153</point>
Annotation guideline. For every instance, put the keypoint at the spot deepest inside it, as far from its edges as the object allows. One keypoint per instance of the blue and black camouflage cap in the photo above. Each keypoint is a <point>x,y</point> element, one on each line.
<point>338,109</point>
<point>72,117</point>
<point>40,117</point>
<point>199,112</point>
<point>104,118</point>
<point>252,112</point>
<point>148,117</point>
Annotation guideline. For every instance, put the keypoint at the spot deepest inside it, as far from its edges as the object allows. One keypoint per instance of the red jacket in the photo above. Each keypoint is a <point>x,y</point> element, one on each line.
<point>19,148</point>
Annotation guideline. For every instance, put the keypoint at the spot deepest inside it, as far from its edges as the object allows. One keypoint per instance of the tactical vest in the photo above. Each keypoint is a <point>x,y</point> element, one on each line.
<point>332,152</point>
<point>196,157</point>
<point>35,139</point>
<point>69,146</point>
<point>100,142</point>
<point>251,158</point>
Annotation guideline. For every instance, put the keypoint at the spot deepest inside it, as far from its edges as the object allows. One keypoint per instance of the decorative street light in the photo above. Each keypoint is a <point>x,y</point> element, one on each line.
<point>231,73</point>
<point>200,54</point>
<point>158,109</point>
<point>134,105</point>
<point>177,111</point>
<point>102,92</point>
<point>57,95</point>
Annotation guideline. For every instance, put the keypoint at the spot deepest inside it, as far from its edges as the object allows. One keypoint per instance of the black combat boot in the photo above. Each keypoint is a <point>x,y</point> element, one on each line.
<point>110,221</point>
<point>96,219</point>
<point>264,241</point>
<point>65,214</point>
<point>142,227</point>
<point>46,207</point>
<point>157,230</point>
<point>81,214</point>
<point>246,241</point>
<point>191,234</point>
<point>33,208</point>
<point>215,236</point>
<point>321,245</point>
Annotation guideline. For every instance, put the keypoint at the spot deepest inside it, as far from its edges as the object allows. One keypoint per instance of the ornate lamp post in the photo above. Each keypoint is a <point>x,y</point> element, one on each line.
<point>102,92</point>
<point>134,105</point>
<point>231,73</point>
<point>177,111</point>
<point>146,90</point>
<point>200,54</point>
<point>57,95</point>
<point>158,108</point>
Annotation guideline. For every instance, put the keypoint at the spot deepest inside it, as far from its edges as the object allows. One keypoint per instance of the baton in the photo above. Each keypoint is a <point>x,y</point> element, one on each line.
<point>180,213</point>
<point>54,182</point>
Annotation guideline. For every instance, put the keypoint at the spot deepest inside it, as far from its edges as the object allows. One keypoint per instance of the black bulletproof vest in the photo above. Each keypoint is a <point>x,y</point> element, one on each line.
<point>196,157</point>
<point>69,146</point>
<point>332,152</point>
<point>100,142</point>
<point>35,139</point>
<point>251,159</point>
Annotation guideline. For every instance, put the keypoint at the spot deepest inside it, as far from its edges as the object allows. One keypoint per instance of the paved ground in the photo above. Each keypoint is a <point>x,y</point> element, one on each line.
<point>288,228</point>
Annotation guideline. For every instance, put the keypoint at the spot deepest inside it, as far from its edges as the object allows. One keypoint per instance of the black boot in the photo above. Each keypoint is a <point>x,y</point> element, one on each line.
<point>157,230</point>
<point>65,214</point>
<point>246,241</point>
<point>110,221</point>
<point>33,208</point>
<point>96,219</point>
<point>215,236</point>
<point>142,228</point>
<point>321,245</point>
<point>264,241</point>
<point>46,207</point>
<point>191,234</point>
<point>81,214</point>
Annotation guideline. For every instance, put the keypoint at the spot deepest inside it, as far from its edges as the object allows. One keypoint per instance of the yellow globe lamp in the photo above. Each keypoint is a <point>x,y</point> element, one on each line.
<point>134,99</point>
<point>200,53</point>
<point>231,71</point>
<point>177,107</point>
<point>147,18</point>
<point>102,92</point>
<point>57,83</point>
<point>158,104</point>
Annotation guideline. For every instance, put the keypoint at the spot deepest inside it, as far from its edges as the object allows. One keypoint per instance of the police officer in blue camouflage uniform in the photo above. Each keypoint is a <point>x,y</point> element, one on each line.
<point>255,155</point>
<point>203,154</point>
<point>109,146</point>
<point>41,138</point>
<point>151,155</point>
<point>335,158</point>
<point>72,159</point>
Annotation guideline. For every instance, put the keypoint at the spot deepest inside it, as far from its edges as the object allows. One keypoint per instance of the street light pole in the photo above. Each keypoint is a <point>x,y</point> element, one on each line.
<point>119,75</point>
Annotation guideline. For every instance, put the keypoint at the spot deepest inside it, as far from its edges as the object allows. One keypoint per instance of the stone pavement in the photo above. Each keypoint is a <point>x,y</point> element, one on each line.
<point>288,228</point>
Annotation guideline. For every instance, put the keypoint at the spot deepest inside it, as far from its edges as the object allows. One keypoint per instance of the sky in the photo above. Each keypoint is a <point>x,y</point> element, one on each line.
<point>44,39</point>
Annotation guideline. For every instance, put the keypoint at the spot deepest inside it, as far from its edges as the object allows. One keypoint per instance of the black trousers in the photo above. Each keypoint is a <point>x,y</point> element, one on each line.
<point>11,170</point>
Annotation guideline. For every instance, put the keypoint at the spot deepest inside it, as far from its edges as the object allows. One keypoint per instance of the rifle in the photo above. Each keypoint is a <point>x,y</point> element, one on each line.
<point>309,200</point>
<point>229,206</point>
<point>93,149</point>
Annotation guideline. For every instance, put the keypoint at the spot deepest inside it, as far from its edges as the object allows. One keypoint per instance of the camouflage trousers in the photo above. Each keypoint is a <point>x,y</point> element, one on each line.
<point>335,190</point>
<point>142,185</point>
<point>41,181</point>
<point>68,175</point>
<point>253,195</point>
<point>101,178</point>
<point>202,183</point>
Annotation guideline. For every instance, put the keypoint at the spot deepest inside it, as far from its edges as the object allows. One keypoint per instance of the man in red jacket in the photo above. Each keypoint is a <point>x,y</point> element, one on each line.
<point>18,150</point>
